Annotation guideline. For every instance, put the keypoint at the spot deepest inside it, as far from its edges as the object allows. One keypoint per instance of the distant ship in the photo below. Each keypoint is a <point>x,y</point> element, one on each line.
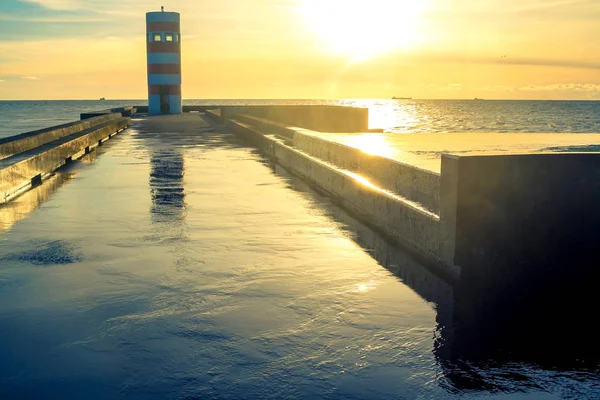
<point>102,98</point>
<point>476,99</point>
<point>401,98</point>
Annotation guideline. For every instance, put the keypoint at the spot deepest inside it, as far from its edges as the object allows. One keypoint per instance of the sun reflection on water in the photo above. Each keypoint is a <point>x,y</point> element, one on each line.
<point>364,287</point>
<point>389,115</point>
<point>372,143</point>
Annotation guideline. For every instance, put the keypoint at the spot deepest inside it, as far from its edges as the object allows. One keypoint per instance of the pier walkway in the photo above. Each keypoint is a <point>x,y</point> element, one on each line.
<point>180,263</point>
<point>176,261</point>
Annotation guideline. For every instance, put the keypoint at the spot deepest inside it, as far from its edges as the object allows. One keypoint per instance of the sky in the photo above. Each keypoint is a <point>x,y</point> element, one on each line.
<point>492,49</point>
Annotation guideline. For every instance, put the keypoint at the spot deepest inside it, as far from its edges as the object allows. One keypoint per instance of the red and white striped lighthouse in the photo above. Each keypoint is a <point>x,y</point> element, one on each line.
<point>163,37</point>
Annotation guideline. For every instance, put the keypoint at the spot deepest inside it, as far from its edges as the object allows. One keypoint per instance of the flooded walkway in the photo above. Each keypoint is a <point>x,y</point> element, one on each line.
<point>176,262</point>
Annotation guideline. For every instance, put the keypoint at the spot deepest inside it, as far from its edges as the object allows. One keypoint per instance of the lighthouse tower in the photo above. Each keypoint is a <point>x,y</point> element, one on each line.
<point>163,44</point>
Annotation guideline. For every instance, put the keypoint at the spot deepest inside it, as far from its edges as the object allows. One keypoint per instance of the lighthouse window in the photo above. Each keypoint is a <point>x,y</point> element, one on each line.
<point>169,37</point>
<point>176,35</point>
<point>157,37</point>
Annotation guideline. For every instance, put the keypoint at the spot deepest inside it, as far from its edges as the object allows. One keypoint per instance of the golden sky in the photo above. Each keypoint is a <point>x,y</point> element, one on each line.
<point>512,49</point>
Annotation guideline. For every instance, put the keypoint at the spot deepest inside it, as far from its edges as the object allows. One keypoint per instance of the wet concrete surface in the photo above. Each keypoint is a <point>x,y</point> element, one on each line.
<point>179,263</point>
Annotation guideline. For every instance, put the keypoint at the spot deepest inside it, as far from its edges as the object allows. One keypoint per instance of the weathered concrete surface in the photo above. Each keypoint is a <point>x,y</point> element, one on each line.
<point>520,218</point>
<point>448,198</point>
<point>20,171</point>
<point>214,114</point>
<point>126,111</point>
<point>413,227</point>
<point>26,141</point>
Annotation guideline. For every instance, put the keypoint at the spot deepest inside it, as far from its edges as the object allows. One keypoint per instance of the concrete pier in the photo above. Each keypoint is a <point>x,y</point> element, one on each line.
<point>493,220</point>
<point>184,233</point>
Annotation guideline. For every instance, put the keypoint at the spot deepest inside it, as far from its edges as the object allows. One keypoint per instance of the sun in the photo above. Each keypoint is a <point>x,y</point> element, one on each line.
<point>361,30</point>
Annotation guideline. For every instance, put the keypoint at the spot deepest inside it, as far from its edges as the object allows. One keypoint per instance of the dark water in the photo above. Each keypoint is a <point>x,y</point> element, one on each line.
<point>399,116</point>
<point>183,265</point>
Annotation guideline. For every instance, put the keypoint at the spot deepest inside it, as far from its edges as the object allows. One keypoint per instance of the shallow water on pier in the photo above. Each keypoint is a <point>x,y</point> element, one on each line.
<point>187,266</point>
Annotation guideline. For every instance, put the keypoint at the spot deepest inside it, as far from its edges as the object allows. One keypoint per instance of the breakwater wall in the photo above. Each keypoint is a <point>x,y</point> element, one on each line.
<point>26,141</point>
<point>319,118</point>
<point>28,158</point>
<point>496,221</point>
<point>322,118</point>
<point>126,111</point>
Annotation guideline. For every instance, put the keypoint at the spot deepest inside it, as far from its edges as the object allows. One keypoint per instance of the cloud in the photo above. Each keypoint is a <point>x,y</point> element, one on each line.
<point>467,58</point>
<point>559,87</point>
<point>56,4</point>
<point>550,63</point>
<point>498,88</point>
<point>61,19</point>
<point>31,78</point>
<point>1,80</point>
<point>448,87</point>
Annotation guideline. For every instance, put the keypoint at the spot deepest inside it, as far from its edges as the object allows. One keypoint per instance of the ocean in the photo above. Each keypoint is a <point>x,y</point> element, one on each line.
<point>191,267</point>
<point>395,116</point>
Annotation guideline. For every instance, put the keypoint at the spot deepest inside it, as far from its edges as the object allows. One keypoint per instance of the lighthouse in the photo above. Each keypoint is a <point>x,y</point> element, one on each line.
<point>163,44</point>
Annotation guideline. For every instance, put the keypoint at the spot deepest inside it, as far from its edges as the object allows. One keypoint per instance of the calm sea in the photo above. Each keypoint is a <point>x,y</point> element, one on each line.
<point>392,115</point>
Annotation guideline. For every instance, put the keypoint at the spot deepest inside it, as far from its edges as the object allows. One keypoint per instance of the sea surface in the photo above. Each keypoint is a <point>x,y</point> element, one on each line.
<point>396,116</point>
<point>175,262</point>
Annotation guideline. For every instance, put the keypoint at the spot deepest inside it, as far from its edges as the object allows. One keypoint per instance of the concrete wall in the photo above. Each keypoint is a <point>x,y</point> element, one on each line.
<point>415,184</point>
<point>318,118</point>
<point>414,228</point>
<point>20,171</point>
<point>26,141</point>
<point>126,111</point>
<point>516,219</point>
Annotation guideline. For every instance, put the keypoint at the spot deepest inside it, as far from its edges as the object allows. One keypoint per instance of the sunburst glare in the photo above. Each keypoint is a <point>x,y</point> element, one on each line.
<point>374,144</point>
<point>362,30</point>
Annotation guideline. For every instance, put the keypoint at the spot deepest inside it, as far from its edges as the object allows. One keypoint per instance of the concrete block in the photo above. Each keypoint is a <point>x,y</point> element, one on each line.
<point>519,220</point>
